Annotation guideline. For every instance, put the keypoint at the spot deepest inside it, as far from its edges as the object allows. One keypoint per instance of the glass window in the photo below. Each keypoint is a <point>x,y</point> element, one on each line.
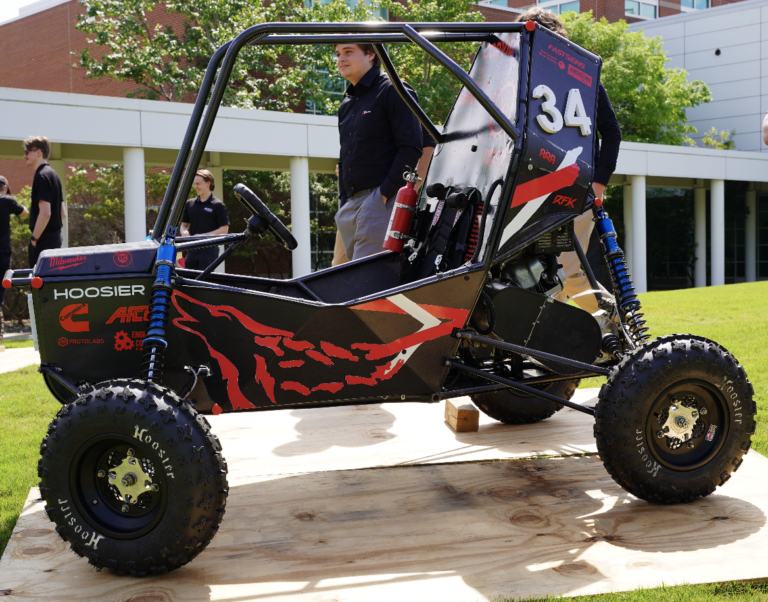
<point>498,3</point>
<point>648,10</point>
<point>570,7</point>
<point>701,4</point>
<point>631,7</point>
<point>686,3</point>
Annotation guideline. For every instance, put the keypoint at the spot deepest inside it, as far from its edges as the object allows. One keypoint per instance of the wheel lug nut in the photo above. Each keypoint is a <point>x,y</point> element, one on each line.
<point>112,475</point>
<point>101,474</point>
<point>690,444</point>
<point>155,487</point>
<point>660,434</point>
<point>130,452</point>
<point>124,508</point>
<point>703,411</point>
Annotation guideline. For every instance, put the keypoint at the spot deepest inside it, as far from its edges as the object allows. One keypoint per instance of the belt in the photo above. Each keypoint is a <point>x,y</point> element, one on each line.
<point>362,192</point>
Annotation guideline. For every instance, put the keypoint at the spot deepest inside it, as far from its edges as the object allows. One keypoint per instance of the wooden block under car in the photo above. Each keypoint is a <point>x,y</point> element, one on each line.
<point>462,419</point>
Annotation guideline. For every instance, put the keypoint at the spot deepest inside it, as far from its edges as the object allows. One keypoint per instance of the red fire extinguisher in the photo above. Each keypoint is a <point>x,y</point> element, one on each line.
<point>400,220</point>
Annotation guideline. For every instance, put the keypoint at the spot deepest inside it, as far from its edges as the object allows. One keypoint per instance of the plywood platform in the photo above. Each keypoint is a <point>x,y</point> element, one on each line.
<point>423,532</point>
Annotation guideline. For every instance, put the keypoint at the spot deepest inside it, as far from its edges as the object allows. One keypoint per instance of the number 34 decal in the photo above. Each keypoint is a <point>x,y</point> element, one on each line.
<point>552,119</point>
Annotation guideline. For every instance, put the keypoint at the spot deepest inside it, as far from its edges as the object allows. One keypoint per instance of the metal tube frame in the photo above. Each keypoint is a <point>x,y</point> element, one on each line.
<point>471,335</point>
<point>454,363</point>
<point>223,61</point>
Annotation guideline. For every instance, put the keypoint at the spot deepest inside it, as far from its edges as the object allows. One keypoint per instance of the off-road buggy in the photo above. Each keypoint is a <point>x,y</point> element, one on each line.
<point>137,349</point>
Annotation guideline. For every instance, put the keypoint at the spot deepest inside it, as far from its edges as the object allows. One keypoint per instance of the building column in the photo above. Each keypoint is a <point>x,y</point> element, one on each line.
<point>135,195</point>
<point>639,270</point>
<point>717,233</point>
<point>60,167</point>
<point>218,181</point>
<point>302,255</point>
<point>750,239</point>
<point>700,236</point>
<point>628,252</point>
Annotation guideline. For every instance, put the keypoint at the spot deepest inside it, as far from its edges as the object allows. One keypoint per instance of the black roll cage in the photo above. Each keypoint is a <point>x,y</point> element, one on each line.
<point>283,34</point>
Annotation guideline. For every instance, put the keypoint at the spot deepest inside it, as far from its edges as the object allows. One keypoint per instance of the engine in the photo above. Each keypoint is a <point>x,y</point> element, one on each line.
<point>537,273</point>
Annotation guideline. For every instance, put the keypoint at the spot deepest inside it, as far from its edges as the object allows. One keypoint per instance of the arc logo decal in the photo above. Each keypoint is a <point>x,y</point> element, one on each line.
<point>68,312</point>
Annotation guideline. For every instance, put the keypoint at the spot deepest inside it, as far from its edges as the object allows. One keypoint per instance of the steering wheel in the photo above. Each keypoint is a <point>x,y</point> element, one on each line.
<point>257,207</point>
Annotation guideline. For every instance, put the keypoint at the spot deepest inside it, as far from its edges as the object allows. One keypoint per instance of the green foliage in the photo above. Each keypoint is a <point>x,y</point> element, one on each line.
<point>167,63</point>
<point>649,99</point>
<point>723,141</point>
<point>170,64</point>
<point>15,304</point>
<point>96,206</point>
<point>266,257</point>
<point>436,88</point>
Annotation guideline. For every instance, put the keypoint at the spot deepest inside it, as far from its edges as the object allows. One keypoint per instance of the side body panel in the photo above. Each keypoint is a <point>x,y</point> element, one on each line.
<point>268,351</point>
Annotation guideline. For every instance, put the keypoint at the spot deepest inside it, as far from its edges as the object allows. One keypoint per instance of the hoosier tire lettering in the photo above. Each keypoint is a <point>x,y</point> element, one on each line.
<point>89,477</point>
<point>689,405</point>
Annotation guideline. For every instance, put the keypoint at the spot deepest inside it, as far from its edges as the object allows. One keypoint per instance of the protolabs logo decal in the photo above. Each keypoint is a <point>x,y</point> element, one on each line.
<point>372,362</point>
<point>122,259</point>
<point>63,263</point>
<point>67,313</point>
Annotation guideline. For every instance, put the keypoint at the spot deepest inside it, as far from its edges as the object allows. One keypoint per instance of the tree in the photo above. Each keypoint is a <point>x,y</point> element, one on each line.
<point>132,41</point>
<point>722,141</point>
<point>649,99</point>
<point>437,89</point>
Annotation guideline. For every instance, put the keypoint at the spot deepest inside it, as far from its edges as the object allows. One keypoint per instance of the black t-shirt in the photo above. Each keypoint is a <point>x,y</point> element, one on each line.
<point>205,216</point>
<point>46,187</point>
<point>8,206</point>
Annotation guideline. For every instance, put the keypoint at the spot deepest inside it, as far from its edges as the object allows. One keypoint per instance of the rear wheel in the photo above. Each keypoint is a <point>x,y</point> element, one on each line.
<point>133,478</point>
<point>510,407</point>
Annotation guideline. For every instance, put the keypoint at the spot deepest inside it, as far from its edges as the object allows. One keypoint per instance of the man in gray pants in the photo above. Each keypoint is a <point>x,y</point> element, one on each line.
<point>379,137</point>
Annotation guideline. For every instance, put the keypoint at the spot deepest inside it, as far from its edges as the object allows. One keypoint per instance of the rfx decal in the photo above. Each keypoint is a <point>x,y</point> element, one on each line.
<point>552,120</point>
<point>92,539</point>
<point>123,290</point>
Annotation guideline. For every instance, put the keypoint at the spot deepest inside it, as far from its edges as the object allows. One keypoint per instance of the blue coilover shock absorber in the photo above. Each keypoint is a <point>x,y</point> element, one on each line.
<point>626,297</point>
<point>155,343</point>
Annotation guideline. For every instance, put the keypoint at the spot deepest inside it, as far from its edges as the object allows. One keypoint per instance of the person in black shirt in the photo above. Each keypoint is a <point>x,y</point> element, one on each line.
<point>8,207</point>
<point>379,137</point>
<point>48,209</point>
<point>606,155</point>
<point>204,215</point>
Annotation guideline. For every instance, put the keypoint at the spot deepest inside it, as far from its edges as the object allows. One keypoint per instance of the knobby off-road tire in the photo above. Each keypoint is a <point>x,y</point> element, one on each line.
<point>510,407</point>
<point>115,435</point>
<point>662,382</point>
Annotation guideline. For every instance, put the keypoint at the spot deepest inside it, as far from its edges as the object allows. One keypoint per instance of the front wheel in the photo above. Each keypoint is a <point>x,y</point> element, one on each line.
<point>133,478</point>
<point>675,419</point>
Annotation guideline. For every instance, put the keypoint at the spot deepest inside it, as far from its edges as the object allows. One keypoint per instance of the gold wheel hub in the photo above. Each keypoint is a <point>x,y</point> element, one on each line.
<point>130,479</point>
<point>680,421</point>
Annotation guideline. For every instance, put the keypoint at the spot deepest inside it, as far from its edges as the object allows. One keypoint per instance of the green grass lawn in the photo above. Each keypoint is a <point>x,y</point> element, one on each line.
<point>734,316</point>
<point>17,344</point>
<point>26,408</point>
